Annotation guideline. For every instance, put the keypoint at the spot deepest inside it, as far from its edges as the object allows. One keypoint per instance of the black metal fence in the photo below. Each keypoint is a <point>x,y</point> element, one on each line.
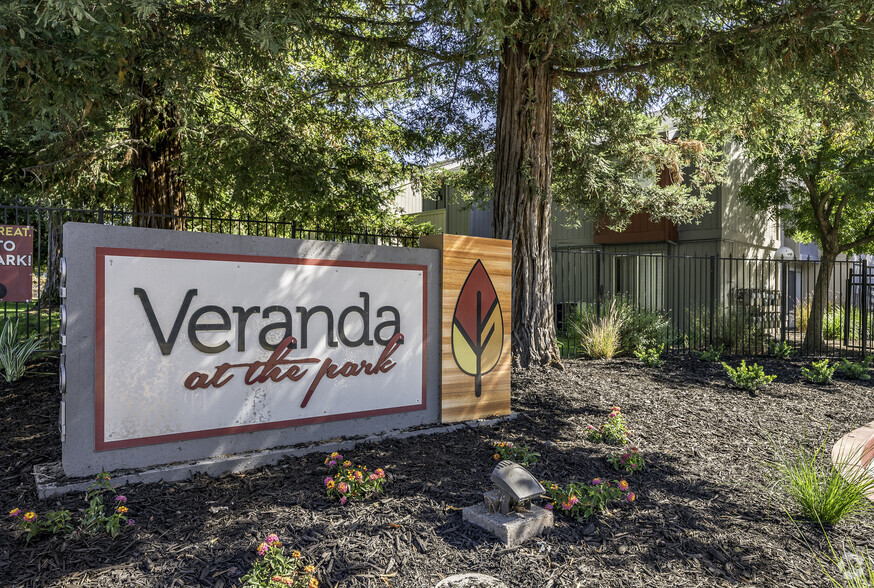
<point>41,316</point>
<point>690,303</point>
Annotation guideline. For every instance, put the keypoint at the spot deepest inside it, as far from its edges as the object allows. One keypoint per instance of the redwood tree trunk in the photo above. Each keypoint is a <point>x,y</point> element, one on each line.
<point>158,188</point>
<point>813,341</point>
<point>523,195</point>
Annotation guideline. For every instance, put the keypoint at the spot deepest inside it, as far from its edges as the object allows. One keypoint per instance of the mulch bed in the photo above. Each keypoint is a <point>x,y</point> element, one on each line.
<point>703,516</point>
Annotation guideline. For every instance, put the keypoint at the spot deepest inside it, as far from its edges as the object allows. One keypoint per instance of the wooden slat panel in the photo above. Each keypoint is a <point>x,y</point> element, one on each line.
<point>458,401</point>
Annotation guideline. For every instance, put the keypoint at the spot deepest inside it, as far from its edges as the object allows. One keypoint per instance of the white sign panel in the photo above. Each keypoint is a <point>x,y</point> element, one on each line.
<point>193,345</point>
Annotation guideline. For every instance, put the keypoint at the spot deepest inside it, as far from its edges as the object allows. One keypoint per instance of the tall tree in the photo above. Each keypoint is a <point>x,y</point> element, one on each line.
<point>814,170</point>
<point>498,72</point>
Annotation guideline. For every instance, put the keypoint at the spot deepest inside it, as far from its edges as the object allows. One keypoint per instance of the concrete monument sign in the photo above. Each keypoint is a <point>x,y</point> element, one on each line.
<point>184,346</point>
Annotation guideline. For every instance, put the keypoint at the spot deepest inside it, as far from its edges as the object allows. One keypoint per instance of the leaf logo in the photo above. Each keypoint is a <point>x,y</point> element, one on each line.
<point>477,326</point>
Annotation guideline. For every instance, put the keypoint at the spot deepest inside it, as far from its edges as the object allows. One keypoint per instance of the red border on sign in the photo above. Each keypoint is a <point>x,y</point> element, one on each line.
<point>99,360</point>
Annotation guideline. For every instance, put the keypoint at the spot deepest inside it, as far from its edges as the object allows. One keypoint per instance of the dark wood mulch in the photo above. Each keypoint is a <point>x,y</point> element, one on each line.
<point>703,516</point>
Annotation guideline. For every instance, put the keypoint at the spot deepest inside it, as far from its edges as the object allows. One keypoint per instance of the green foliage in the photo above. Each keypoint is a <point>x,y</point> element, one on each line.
<point>15,349</point>
<point>628,461</point>
<point>823,492</point>
<point>820,372</point>
<point>737,328</point>
<point>750,378</point>
<point>613,431</point>
<point>780,349</point>
<point>580,501</point>
<point>273,568</point>
<point>626,329</point>
<point>711,353</point>
<point>651,357</point>
<point>856,371</point>
<point>520,454</point>
<point>93,519</point>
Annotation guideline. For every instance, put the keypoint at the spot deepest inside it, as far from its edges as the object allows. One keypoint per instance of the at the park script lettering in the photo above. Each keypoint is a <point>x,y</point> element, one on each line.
<point>278,367</point>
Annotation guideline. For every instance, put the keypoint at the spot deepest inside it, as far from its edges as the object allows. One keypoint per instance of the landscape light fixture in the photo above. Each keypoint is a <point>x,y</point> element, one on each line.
<point>516,485</point>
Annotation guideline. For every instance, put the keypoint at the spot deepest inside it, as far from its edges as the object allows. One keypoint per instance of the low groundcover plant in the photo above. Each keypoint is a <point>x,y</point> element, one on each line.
<point>650,356</point>
<point>274,569</point>
<point>520,454</point>
<point>94,519</point>
<point>819,372</point>
<point>613,431</point>
<point>628,461</point>
<point>349,481</point>
<point>856,371</point>
<point>580,500</point>
<point>750,378</point>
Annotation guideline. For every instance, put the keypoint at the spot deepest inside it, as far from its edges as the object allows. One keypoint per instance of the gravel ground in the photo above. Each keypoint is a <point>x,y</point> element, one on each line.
<point>704,514</point>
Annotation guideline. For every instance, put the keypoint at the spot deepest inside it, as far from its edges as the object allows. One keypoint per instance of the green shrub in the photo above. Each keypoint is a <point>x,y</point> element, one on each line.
<point>651,357</point>
<point>834,320</point>
<point>637,327</point>
<point>820,372</point>
<point>750,378</point>
<point>737,328</point>
<point>711,353</point>
<point>780,350</point>
<point>856,371</point>
<point>600,336</point>
<point>823,492</point>
<point>15,350</point>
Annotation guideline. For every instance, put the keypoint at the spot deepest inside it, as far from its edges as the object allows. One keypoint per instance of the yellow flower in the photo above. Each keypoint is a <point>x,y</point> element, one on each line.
<point>347,463</point>
<point>313,583</point>
<point>310,569</point>
<point>122,509</point>
<point>497,456</point>
<point>295,554</point>
<point>29,516</point>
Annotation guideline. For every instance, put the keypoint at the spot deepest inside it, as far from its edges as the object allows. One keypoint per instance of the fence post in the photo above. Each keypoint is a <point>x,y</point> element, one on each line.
<point>100,216</point>
<point>784,299</point>
<point>714,286</point>
<point>598,283</point>
<point>864,306</point>
<point>848,308</point>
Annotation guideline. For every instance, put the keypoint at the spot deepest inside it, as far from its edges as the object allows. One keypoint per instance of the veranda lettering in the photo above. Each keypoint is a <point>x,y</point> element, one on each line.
<point>197,324</point>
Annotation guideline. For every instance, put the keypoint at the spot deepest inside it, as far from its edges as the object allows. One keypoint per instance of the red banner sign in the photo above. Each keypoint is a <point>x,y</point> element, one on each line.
<point>16,263</point>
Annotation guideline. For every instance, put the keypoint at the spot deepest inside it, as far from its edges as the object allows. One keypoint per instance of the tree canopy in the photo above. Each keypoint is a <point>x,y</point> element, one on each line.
<point>315,107</point>
<point>267,119</point>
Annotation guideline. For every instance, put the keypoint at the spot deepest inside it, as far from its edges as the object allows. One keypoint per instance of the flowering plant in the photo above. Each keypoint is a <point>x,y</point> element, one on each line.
<point>579,501</point>
<point>274,569</point>
<point>628,461</point>
<point>521,455</point>
<point>56,522</point>
<point>351,481</point>
<point>613,431</point>
<point>94,518</point>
